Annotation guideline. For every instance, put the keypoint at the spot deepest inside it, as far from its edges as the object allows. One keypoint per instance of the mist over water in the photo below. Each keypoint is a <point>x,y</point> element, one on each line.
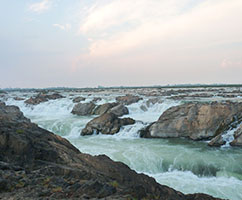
<point>182,164</point>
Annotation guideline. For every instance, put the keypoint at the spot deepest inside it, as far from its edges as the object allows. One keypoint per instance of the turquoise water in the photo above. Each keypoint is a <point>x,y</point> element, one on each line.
<point>184,165</point>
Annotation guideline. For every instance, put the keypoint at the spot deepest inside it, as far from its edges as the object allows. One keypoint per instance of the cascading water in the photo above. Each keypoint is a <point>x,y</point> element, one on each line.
<point>184,165</point>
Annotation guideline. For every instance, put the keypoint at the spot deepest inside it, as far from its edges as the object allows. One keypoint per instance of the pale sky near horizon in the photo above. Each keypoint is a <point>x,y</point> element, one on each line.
<point>86,43</point>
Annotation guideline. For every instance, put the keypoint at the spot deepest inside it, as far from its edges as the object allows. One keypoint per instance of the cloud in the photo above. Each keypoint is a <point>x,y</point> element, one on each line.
<point>121,26</point>
<point>65,27</point>
<point>40,7</point>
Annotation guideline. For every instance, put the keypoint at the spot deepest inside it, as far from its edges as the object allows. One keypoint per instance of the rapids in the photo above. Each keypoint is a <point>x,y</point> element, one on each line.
<point>184,165</point>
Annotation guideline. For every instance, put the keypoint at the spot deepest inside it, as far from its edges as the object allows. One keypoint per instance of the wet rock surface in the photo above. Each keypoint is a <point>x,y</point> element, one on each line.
<point>196,121</point>
<point>107,123</point>
<point>43,97</point>
<point>37,164</point>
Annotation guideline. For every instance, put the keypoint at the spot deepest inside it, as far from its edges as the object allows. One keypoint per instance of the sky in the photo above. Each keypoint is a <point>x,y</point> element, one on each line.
<point>87,43</point>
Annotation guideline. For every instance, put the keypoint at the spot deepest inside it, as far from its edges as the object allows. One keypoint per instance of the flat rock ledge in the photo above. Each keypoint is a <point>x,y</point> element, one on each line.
<point>37,164</point>
<point>196,121</point>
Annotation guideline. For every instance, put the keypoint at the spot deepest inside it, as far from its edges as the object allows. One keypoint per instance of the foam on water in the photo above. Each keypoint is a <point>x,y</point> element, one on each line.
<point>153,112</point>
<point>228,137</point>
<point>181,164</point>
<point>223,187</point>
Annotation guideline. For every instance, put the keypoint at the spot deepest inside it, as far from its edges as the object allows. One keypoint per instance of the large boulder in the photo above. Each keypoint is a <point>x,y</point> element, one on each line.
<point>107,123</point>
<point>43,97</point>
<point>128,99</point>
<point>37,164</point>
<point>196,121</point>
<point>101,109</point>
<point>83,109</point>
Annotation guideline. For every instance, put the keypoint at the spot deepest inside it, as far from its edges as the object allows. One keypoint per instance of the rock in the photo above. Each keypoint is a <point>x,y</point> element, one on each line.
<point>78,99</point>
<point>43,97</point>
<point>237,137</point>
<point>196,121</point>
<point>83,109</point>
<point>217,141</point>
<point>128,99</point>
<point>96,99</point>
<point>47,166</point>
<point>18,99</point>
<point>101,109</point>
<point>107,123</point>
<point>119,110</point>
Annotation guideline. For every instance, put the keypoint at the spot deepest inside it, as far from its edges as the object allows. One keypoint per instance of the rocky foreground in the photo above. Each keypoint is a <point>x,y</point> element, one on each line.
<point>37,164</point>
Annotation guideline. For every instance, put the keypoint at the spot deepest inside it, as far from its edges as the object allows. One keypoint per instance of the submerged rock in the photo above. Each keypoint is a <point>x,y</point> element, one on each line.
<point>37,164</point>
<point>128,99</point>
<point>43,97</point>
<point>83,109</point>
<point>78,99</point>
<point>196,121</point>
<point>107,123</point>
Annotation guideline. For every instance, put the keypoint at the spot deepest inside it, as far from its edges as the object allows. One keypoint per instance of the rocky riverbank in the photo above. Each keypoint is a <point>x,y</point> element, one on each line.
<point>37,164</point>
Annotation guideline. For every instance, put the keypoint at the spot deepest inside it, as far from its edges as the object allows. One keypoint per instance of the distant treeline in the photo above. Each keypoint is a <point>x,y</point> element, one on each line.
<point>123,87</point>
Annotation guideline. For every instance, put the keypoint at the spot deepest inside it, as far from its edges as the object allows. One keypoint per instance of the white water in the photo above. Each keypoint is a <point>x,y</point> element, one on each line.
<point>184,165</point>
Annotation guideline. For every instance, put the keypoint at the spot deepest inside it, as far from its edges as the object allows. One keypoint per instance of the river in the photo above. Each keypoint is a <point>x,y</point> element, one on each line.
<point>185,165</point>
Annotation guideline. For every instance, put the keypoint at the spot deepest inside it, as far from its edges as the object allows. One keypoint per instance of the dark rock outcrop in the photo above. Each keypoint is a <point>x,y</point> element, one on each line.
<point>128,99</point>
<point>43,97</point>
<point>37,164</point>
<point>107,123</point>
<point>196,121</point>
<point>83,109</point>
<point>78,99</point>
